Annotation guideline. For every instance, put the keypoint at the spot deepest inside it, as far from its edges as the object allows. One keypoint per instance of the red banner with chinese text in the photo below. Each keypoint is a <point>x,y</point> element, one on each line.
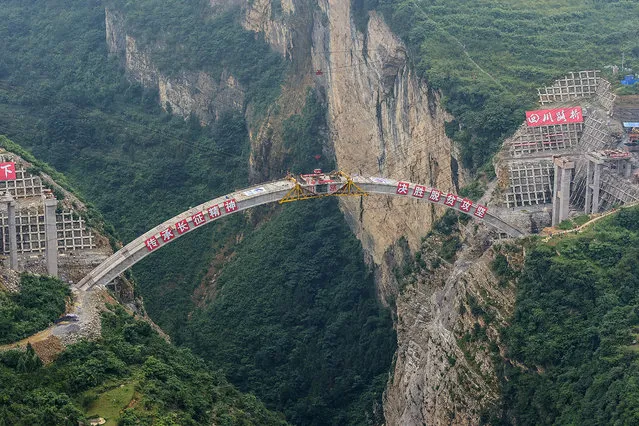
<point>548,117</point>
<point>8,171</point>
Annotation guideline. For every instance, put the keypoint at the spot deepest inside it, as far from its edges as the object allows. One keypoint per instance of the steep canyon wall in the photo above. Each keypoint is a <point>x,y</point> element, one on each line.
<point>383,121</point>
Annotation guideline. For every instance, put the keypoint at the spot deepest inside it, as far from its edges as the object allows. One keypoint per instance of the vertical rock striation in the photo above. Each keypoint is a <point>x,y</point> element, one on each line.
<point>385,122</point>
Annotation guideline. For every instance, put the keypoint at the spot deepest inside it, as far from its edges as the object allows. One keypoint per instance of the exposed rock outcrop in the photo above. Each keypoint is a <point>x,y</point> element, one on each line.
<point>271,19</point>
<point>186,92</point>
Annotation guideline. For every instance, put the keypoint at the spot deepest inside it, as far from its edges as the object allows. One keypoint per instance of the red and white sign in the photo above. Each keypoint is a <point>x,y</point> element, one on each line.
<point>230,205</point>
<point>167,235</point>
<point>198,219</point>
<point>8,171</point>
<point>214,212</point>
<point>435,195</point>
<point>333,188</point>
<point>481,211</point>
<point>419,191</point>
<point>182,226</point>
<point>152,243</point>
<point>465,205</point>
<point>451,199</point>
<point>547,117</point>
<point>402,188</point>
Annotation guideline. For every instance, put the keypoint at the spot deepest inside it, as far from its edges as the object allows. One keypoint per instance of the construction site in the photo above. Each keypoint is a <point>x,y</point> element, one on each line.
<point>580,157</point>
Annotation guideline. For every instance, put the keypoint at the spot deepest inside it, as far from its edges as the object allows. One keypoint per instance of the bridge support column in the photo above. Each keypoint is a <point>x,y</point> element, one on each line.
<point>11,225</point>
<point>561,189</point>
<point>588,203</point>
<point>593,183</point>
<point>51,235</point>
<point>596,187</point>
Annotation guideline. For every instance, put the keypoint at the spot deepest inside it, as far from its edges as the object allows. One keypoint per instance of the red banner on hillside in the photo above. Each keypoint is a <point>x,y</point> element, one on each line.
<point>8,171</point>
<point>548,117</point>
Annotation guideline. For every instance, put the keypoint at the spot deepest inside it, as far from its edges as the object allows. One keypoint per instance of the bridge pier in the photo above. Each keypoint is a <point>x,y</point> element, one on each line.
<point>561,189</point>
<point>11,224</point>
<point>51,235</point>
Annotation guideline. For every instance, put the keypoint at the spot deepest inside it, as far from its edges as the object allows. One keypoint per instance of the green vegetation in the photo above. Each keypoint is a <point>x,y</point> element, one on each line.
<point>40,301</point>
<point>489,56</point>
<point>109,404</point>
<point>296,320</point>
<point>304,135</point>
<point>573,335</point>
<point>574,222</point>
<point>172,386</point>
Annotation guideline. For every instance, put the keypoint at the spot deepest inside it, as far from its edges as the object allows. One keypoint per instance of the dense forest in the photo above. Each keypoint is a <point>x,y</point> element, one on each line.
<point>310,340</point>
<point>131,376</point>
<point>40,301</point>
<point>288,309</point>
<point>572,352</point>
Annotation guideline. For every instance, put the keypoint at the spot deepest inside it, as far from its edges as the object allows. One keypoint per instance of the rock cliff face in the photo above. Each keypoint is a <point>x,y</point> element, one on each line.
<point>449,317</point>
<point>384,122</point>
<point>185,94</point>
<point>271,18</point>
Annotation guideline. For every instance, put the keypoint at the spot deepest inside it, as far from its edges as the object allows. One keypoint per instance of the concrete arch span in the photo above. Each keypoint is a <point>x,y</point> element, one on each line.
<point>315,185</point>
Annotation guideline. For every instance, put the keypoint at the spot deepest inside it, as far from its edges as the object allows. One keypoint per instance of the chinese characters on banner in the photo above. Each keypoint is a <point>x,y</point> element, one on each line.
<point>547,117</point>
<point>8,171</point>
<point>167,235</point>
<point>198,219</point>
<point>435,195</point>
<point>449,199</point>
<point>152,243</point>
<point>214,212</point>
<point>230,205</point>
<point>419,191</point>
<point>182,226</point>
<point>402,188</point>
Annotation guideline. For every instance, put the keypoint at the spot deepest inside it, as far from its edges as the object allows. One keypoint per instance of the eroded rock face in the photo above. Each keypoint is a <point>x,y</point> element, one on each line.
<point>271,19</point>
<point>448,322</point>
<point>186,92</point>
<point>384,122</point>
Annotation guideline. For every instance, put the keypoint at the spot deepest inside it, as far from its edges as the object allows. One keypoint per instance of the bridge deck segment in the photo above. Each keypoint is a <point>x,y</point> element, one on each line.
<point>254,196</point>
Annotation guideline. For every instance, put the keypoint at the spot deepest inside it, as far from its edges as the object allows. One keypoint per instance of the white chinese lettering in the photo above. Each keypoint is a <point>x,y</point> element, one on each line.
<point>402,188</point>
<point>167,235</point>
<point>182,226</point>
<point>435,195</point>
<point>214,212</point>
<point>198,219</point>
<point>561,115</point>
<point>480,211</point>
<point>419,191</point>
<point>230,205</point>
<point>152,243</point>
<point>451,199</point>
<point>575,114</point>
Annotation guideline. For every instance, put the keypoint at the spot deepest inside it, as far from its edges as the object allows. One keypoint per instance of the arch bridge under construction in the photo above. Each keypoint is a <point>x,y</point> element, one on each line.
<point>303,187</point>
